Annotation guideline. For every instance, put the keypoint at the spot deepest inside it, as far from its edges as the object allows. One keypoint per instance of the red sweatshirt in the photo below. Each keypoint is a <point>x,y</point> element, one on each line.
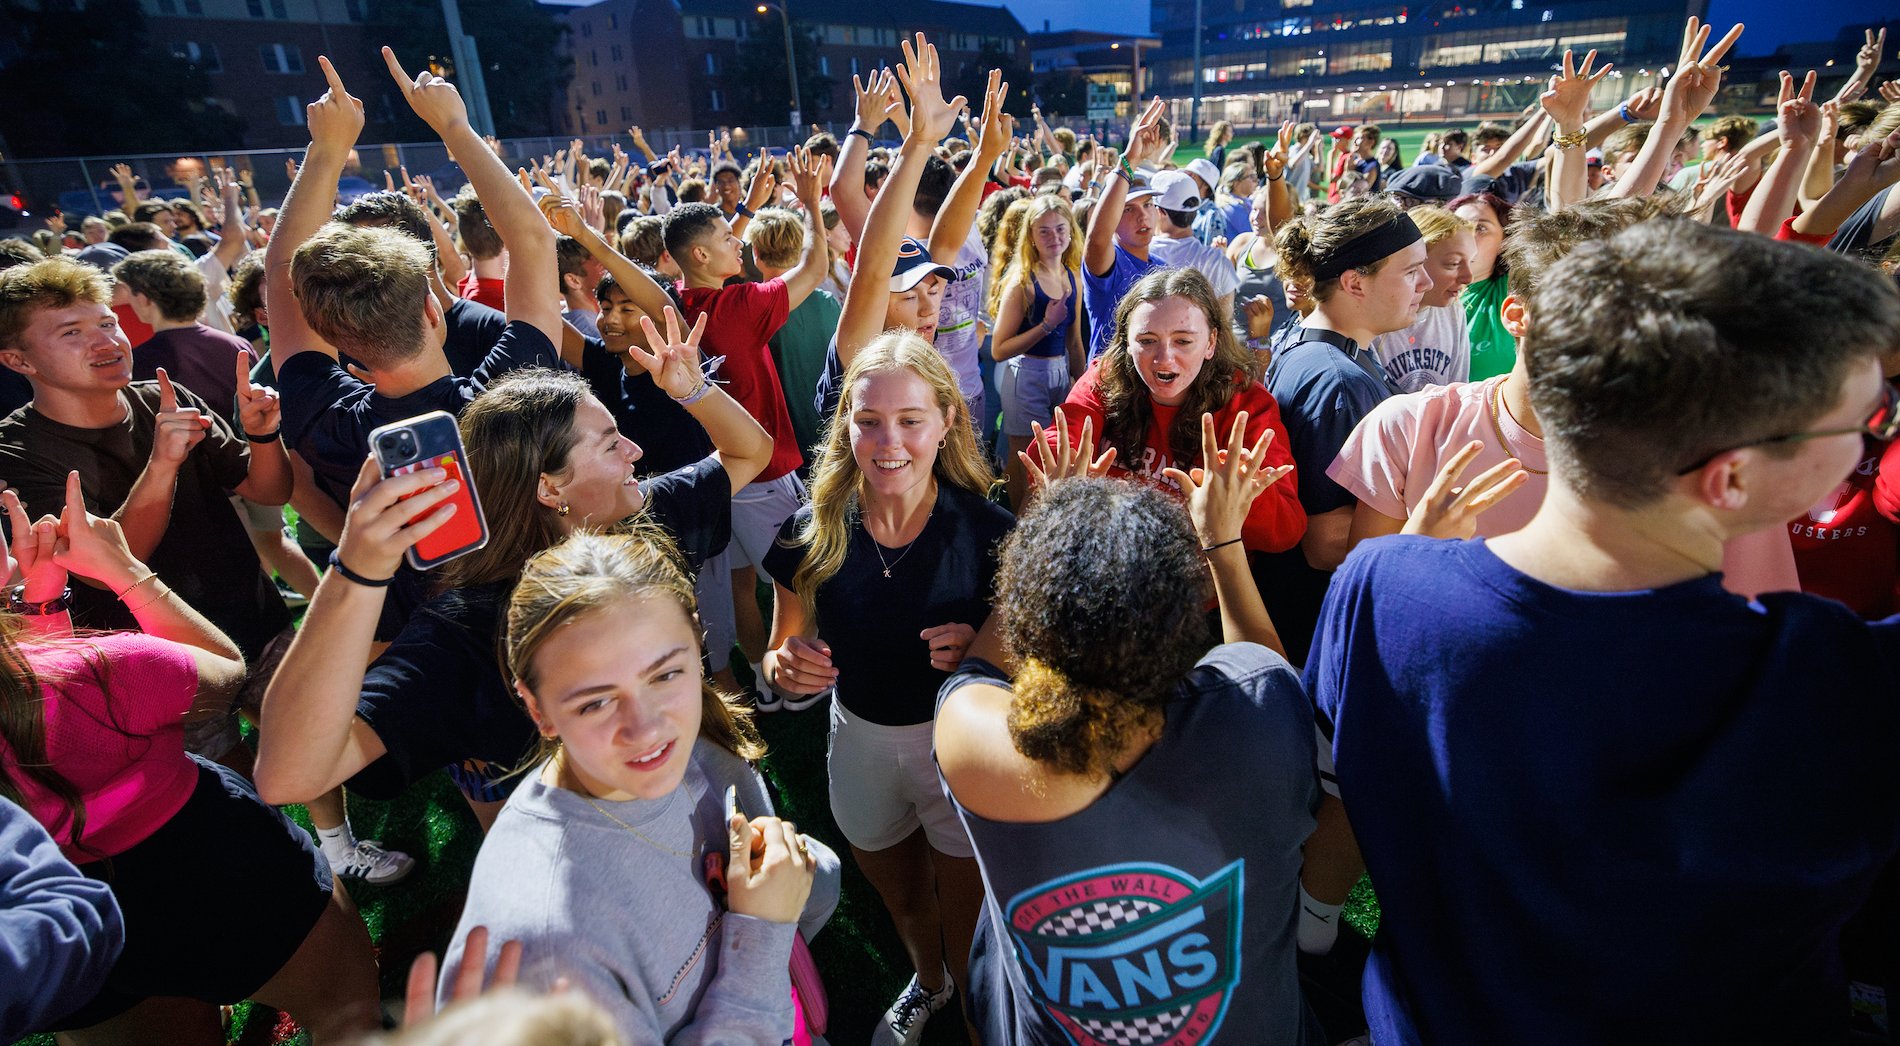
<point>1276,522</point>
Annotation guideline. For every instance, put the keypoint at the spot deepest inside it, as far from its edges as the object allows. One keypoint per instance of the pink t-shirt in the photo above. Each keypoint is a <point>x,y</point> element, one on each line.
<point>126,758</point>
<point>1390,460</point>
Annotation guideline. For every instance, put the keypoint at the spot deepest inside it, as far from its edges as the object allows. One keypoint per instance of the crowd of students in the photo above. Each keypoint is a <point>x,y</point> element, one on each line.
<point>1061,522</point>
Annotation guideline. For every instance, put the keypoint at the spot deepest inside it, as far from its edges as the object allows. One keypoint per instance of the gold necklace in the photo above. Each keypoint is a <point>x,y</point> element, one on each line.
<point>604,812</point>
<point>879,549</point>
<point>1493,396</point>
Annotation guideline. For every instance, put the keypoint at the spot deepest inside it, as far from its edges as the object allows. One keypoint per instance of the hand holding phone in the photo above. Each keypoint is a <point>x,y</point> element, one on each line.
<point>388,516</point>
<point>430,444</point>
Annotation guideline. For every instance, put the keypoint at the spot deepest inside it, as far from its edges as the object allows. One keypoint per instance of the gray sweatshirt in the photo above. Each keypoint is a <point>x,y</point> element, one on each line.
<point>632,925</point>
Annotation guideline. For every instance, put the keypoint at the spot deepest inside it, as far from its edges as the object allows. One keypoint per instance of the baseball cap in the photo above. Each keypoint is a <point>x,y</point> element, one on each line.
<point>1342,132</point>
<point>1176,191</point>
<point>1593,158</point>
<point>103,255</point>
<point>1204,167</point>
<point>914,266</point>
<point>1431,182</point>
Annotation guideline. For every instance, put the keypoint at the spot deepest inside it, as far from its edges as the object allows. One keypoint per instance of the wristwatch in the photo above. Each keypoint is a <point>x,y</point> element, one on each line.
<point>17,604</point>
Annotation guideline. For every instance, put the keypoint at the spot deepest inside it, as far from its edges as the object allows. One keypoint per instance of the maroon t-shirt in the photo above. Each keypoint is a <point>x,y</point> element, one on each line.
<point>200,359</point>
<point>741,319</point>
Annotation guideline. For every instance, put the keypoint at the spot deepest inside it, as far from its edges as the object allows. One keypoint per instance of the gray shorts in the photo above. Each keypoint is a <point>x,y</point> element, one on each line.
<point>758,509</point>
<point>884,786</point>
<point>713,588</point>
<point>1031,388</point>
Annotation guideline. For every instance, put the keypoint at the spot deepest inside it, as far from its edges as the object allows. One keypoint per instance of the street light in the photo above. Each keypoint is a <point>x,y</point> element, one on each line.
<point>791,68</point>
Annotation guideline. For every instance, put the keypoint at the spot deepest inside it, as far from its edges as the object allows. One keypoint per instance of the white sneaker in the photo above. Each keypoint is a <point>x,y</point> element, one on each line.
<point>903,1023</point>
<point>764,698</point>
<point>800,702</point>
<point>373,864</point>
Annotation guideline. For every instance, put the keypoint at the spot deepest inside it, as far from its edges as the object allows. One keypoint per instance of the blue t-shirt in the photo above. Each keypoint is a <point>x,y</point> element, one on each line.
<point>1165,910</point>
<point>1103,293</point>
<point>1323,393</point>
<point>1588,813</point>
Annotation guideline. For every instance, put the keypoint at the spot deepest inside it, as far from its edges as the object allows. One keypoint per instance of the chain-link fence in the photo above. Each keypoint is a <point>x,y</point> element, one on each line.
<point>84,185</point>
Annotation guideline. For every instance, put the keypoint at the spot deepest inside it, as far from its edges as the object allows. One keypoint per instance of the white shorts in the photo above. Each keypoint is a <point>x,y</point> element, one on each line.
<point>758,510</point>
<point>884,786</point>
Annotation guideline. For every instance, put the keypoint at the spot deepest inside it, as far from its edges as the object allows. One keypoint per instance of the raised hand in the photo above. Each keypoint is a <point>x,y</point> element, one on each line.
<point>433,98</point>
<point>1868,58</point>
<point>993,131</point>
<point>178,429</point>
<point>1645,104</point>
<point>260,412</point>
<point>1144,138</point>
<point>1064,460</point>
<point>931,115</point>
<point>948,643</point>
<point>1714,180</point>
<point>336,118</point>
<point>1222,491</point>
<point>1797,118</point>
<point>1451,511</point>
<point>1569,95</point>
<point>387,516</point>
<point>1698,72</point>
<point>810,175</point>
<point>93,546</point>
<point>674,360</point>
<point>1259,312</point>
<point>593,208</point>
<point>757,193</point>
<point>1890,92</point>
<point>35,550</point>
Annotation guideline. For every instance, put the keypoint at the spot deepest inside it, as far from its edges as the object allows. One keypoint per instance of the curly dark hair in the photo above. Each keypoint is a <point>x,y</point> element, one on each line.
<point>1126,401</point>
<point>1101,598</point>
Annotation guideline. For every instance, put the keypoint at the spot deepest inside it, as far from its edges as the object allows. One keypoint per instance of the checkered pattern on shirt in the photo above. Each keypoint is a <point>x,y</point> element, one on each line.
<point>1098,917</point>
<point>1140,1031</point>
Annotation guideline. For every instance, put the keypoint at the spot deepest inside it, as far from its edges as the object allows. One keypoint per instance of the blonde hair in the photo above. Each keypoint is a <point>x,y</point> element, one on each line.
<point>512,1017</point>
<point>1026,258</point>
<point>1003,254</point>
<point>588,573</point>
<point>837,484</point>
<point>362,290</point>
<point>56,283</point>
<point>1437,224</point>
<point>777,237</point>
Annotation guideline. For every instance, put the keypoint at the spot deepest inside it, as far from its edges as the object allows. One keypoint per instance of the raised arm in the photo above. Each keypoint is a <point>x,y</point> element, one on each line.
<point>1819,177</point>
<point>234,241</point>
<point>1219,496</point>
<point>334,120</point>
<point>815,262</point>
<point>741,443</point>
<point>1875,167</point>
<point>1698,78</point>
<point>847,180</point>
<point>1564,103</point>
<point>954,218</point>
<point>1513,148</point>
<point>1865,63</point>
<point>532,268</point>
<point>1797,122</point>
<point>931,118</point>
<point>1098,250</point>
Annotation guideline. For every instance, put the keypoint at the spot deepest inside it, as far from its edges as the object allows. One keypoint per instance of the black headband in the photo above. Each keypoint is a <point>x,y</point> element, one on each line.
<point>1368,247</point>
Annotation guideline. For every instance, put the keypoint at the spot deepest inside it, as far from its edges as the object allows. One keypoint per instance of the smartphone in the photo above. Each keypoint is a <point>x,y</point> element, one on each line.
<point>658,167</point>
<point>426,441</point>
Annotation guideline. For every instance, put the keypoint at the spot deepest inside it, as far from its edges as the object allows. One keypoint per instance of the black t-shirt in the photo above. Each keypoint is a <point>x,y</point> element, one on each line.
<point>669,437</point>
<point>328,413</point>
<point>205,555</point>
<point>437,697</point>
<point>1856,234</point>
<point>872,622</point>
<point>473,329</point>
<point>15,391</point>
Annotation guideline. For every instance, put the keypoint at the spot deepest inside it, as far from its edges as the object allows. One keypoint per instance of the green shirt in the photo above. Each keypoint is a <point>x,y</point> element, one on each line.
<point>1493,350</point>
<point>799,350</point>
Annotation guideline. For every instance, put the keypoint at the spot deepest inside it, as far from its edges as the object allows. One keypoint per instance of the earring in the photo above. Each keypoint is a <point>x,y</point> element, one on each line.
<point>942,443</point>
<point>563,510</point>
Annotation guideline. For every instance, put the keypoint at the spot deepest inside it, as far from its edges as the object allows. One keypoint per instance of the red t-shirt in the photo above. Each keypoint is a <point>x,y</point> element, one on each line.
<point>484,289</point>
<point>137,331</point>
<point>740,319</point>
<point>1848,546</point>
<point>1274,524</point>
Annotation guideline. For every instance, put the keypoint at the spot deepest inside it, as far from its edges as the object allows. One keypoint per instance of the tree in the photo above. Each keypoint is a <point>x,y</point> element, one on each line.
<point>517,41</point>
<point>973,79</point>
<point>99,86</point>
<point>757,74</point>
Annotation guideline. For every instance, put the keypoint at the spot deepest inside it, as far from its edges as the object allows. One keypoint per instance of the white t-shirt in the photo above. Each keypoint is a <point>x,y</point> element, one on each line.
<point>1190,253</point>
<point>1434,350</point>
<point>957,338</point>
<point>217,314</point>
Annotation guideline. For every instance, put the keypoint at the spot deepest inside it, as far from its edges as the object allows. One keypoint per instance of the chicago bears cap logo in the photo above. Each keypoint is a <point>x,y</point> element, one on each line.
<point>1134,954</point>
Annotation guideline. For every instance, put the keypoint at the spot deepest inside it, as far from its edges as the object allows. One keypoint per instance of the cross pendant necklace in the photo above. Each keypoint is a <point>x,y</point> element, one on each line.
<point>879,549</point>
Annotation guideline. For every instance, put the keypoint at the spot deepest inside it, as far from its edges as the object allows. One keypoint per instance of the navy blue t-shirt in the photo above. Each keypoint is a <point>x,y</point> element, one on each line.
<point>473,329</point>
<point>1102,294</point>
<point>1599,816</point>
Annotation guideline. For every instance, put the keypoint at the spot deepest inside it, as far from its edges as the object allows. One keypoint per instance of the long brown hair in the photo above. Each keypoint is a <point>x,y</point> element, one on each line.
<point>1127,403</point>
<point>837,485</point>
<point>518,428</point>
<point>23,697</point>
<point>587,572</point>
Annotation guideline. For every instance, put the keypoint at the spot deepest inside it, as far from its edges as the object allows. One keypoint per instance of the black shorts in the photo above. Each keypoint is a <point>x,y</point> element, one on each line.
<point>215,902</point>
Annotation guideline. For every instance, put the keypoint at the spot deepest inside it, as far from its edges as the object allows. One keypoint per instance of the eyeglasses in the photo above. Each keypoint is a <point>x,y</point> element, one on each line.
<point>1883,424</point>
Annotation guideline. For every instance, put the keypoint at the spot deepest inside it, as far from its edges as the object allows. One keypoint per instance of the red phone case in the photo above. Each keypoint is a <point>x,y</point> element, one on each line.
<point>463,531</point>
